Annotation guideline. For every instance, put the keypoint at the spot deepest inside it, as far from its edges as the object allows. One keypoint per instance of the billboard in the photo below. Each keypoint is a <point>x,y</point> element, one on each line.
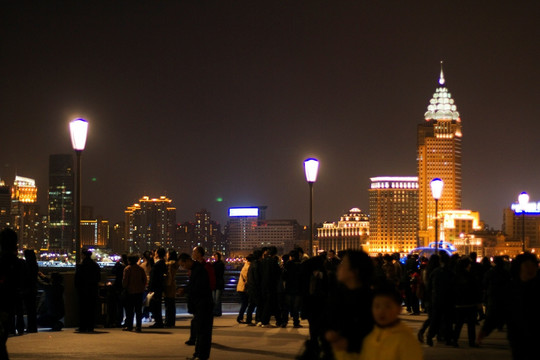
<point>243,211</point>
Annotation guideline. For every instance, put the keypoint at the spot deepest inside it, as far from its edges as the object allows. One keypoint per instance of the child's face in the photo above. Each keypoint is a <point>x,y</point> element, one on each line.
<point>385,310</point>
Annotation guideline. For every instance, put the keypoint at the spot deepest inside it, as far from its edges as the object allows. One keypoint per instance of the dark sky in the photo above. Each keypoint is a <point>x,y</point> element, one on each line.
<point>206,99</point>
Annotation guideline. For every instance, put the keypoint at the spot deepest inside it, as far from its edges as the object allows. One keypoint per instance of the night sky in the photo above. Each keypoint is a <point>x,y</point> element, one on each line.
<point>205,99</point>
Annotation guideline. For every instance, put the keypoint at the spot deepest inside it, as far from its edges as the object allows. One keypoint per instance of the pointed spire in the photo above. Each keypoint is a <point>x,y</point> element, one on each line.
<point>441,77</point>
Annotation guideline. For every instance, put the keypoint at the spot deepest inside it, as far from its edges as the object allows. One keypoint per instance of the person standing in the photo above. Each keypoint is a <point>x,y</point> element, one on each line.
<point>270,276</point>
<point>158,278</point>
<point>134,283</point>
<point>116,315</point>
<point>253,289</point>
<point>30,290</point>
<point>292,277</point>
<point>10,285</point>
<point>170,288</point>
<point>241,288</point>
<point>200,304</point>
<point>87,277</point>
<point>219,273</point>
<point>146,262</point>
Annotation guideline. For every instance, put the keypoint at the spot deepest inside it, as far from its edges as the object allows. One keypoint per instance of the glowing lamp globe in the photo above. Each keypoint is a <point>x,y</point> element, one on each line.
<point>78,129</point>
<point>311,166</point>
<point>436,188</point>
<point>523,199</point>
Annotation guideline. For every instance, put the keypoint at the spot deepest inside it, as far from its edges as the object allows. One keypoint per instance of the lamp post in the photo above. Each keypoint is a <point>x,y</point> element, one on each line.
<point>523,199</point>
<point>78,129</point>
<point>436,191</point>
<point>311,167</point>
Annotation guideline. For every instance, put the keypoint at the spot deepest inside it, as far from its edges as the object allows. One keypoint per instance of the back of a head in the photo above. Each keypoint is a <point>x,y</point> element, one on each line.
<point>200,250</point>
<point>8,241</point>
<point>30,256</point>
<point>257,254</point>
<point>360,262</point>
<point>444,257</point>
<point>173,255</point>
<point>218,256</point>
<point>184,257</point>
<point>161,252</point>
<point>272,251</point>
<point>133,259</point>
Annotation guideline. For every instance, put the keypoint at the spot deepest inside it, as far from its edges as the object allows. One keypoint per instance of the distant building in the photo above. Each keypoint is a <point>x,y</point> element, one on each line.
<point>117,238</point>
<point>95,233</point>
<point>393,214</point>
<point>25,217</point>
<point>5,205</point>
<point>207,233</point>
<point>513,219</point>
<point>247,230</point>
<point>61,208</point>
<point>351,232</point>
<point>438,156</point>
<point>151,223</point>
<point>455,224</point>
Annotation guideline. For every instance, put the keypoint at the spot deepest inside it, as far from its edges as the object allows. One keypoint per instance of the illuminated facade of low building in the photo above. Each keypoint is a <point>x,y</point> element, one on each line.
<point>438,156</point>
<point>455,223</point>
<point>393,214</point>
<point>248,230</point>
<point>94,233</point>
<point>351,232</point>
<point>513,221</point>
<point>150,224</point>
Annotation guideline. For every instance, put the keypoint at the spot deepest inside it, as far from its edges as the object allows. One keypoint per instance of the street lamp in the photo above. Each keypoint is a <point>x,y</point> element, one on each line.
<point>311,167</point>
<point>436,192</point>
<point>523,199</point>
<point>78,129</point>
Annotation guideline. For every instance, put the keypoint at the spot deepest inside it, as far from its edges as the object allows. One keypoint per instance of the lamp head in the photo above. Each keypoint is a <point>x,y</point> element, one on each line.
<point>78,129</point>
<point>523,199</point>
<point>436,188</point>
<point>311,167</point>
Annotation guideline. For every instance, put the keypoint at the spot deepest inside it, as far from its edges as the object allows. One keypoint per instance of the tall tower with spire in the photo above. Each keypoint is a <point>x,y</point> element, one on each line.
<point>438,156</point>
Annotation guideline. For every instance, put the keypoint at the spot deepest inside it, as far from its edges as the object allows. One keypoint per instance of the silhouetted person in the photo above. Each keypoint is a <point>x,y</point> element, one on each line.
<point>10,285</point>
<point>52,309</point>
<point>134,283</point>
<point>466,299</point>
<point>441,285</point>
<point>116,315</point>
<point>254,289</point>
<point>200,304</point>
<point>158,277</point>
<point>219,273</point>
<point>146,262</point>
<point>170,288</point>
<point>292,277</point>
<point>87,277</point>
<point>241,288</point>
<point>433,264</point>
<point>496,285</point>
<point>524,308</point>
<point>30,290</point>
<point>270,276</point>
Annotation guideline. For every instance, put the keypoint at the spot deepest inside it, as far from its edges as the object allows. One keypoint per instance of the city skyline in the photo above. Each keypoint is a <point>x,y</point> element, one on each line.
<point>226,101</point>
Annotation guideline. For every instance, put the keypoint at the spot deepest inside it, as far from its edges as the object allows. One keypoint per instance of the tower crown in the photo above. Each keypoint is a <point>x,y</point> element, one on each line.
<point>441,106</point>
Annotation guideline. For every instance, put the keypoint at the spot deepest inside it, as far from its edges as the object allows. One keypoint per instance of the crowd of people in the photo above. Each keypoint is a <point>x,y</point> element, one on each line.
<point>351,301</point>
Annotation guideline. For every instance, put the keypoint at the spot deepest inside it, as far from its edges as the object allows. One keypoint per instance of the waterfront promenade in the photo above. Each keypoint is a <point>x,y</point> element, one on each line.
<point>230,341</point>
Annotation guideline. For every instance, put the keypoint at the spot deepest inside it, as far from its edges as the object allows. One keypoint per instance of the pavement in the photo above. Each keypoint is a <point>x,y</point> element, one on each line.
<point>230,341</point>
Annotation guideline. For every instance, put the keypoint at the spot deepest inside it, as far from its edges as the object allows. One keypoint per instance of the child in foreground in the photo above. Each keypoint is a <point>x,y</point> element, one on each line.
<point>390,339</point>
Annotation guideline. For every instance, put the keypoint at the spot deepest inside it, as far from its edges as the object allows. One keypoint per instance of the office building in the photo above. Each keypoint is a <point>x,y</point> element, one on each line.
<point>5,205</point>
<point>350,232</point>
<point>95,233</point>
<point>25,218</point>
<point>393,214</point>
<point>516,219</point>
<point>438,156</point>
<point>150,224</point>
<point>61,206</point>
<point>248,230</point>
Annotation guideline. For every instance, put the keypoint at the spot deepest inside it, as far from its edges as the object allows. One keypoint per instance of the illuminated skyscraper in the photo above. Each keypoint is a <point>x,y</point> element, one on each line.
<point>150,224</point>
<point>25,219</point>
<point>61,186</point>
<point>438,156</point>
<point>393,214</point>
<point>351,232</point>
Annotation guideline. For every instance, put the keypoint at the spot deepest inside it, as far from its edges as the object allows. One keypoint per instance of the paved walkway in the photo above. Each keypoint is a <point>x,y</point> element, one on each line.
<point>230,341</point>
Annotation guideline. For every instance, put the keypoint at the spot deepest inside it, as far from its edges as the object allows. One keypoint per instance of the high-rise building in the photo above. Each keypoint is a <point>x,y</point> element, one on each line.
<point>5,205</point>
<point>25,218</point>
<point>351,232</point>
<point>61,208</point>
<point>247,230</point>
<point>95,233</point>
<point>117,238</point>
<point>438,156</point>
<point>150,224</point>
<point>393,214</point>
<point>207,233</point>
<point>516,219</point>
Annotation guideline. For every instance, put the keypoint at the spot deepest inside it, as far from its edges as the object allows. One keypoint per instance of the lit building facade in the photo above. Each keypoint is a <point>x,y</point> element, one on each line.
<point>350,232</point>
<point>513,221</point>
<point>61,206</point>
<point>456,223</point>
<point>393,214</point>
<point>95,233</point>
<point>438,156</point>
<point>247,230</point>
<point>207,233</point>
<point>150,224</point>
<point>25,218</point>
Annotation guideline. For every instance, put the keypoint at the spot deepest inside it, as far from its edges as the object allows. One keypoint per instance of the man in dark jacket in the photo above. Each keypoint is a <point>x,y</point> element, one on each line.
<point>219,273</point>
<point>254,289</point>
<point>292,278</point>
<point>199,304</point>
<point>87,277</point>
<point>158,276</point>
<point>270,275</point>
